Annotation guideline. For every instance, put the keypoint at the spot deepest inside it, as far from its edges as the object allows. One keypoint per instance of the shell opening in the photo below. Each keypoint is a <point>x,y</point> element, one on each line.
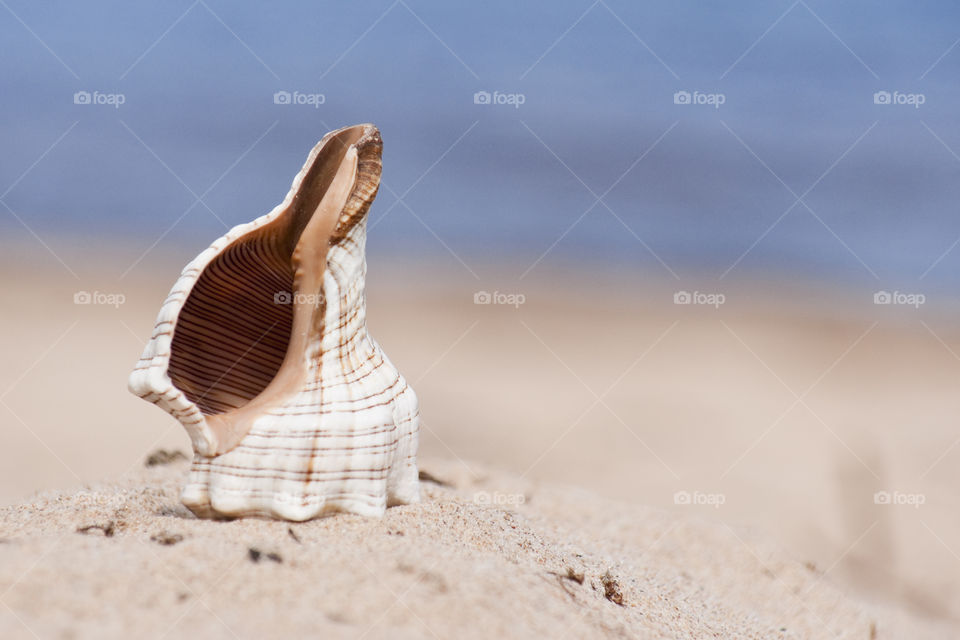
<point>234,329</point>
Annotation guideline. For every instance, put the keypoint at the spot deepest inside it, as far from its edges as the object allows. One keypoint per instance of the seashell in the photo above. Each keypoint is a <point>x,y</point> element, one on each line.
<point>261,351</point>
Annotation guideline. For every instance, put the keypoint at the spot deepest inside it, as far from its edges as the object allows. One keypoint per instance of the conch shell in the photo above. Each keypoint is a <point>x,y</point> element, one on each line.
<point>261,351</point>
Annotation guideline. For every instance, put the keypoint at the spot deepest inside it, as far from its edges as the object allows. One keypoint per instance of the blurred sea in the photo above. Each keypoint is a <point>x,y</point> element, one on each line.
<point>669,137</point>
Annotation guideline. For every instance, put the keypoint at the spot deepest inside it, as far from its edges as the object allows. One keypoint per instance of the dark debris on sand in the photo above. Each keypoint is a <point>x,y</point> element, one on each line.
<point>256,555</point>
<point>106,529</point>
<point>611,589</point>
<point>163,456</point>
<point>426,476</point>
<point>166,539</point>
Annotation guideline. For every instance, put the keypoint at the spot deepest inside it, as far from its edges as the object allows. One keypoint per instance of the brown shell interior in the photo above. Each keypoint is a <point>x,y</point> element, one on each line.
<point>234,331</point>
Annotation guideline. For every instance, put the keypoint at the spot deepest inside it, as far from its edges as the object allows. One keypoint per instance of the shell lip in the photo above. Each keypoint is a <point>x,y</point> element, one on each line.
<point>369,131</point>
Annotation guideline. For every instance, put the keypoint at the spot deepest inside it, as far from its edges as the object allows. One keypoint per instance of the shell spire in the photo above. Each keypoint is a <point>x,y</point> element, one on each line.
<point>261,351</point>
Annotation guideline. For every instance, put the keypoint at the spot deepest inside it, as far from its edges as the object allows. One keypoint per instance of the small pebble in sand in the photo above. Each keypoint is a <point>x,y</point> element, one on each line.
<point>256,555</point>
<point>611,589</point>
<point>570,575</point>
<point>573,575</point>
<point>426,476</point>
<point>162,456</point>
<point>167,539</point>
<point>106,529</point>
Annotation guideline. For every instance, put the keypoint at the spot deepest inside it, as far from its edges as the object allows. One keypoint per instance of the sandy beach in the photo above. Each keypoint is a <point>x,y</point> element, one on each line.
<point>686,471</point>
<point>554,563</point>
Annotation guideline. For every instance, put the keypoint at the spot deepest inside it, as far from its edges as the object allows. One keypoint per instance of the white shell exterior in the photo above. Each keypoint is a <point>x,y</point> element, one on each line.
<point>346,441</point>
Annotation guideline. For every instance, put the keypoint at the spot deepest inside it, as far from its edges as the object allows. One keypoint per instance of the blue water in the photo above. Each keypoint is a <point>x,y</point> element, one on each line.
<point>879,182</point>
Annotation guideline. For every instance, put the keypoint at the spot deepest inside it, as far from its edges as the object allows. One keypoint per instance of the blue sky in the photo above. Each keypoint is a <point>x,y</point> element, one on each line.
<point>798,170</point>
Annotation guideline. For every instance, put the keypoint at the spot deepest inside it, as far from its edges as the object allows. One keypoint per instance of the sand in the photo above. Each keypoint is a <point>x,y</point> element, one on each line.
<point>488,557</point>
<point>793,405</point>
